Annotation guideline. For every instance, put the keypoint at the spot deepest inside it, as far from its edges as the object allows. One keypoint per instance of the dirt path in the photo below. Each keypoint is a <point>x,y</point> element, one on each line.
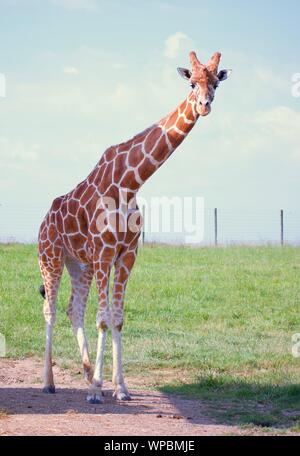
<point>25,410</point>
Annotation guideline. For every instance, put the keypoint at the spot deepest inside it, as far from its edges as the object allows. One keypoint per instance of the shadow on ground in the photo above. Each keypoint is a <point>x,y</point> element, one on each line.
<point>154,404</point>
<point>208,404</point>
<point>31,400</point>
<point>242,402</point>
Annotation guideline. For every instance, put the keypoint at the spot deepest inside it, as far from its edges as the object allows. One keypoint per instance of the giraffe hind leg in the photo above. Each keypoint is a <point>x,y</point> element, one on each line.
<point>51,277</point>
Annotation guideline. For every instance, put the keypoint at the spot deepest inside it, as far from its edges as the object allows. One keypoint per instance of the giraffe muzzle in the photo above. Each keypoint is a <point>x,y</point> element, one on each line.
<point>203,110</point>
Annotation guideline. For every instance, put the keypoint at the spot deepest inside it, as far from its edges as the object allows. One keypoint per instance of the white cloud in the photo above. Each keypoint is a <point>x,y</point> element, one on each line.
<point>87,5</point>
<point>175,43</point>
<point>283,123</point>
<point>12,153</point>
<point>70,70</point>
<point>267,76</point>
<point>281,120</point>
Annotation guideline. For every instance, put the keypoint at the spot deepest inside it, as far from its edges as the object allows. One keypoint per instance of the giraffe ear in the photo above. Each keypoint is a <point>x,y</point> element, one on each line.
<point>184,73</point>
<point>224,74</point>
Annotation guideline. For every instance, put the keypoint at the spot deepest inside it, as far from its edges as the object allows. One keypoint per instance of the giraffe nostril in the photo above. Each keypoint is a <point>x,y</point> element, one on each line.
<point>206,104</point>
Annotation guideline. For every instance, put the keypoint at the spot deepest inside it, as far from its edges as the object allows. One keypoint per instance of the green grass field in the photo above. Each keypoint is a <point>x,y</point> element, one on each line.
<point>214,324</point>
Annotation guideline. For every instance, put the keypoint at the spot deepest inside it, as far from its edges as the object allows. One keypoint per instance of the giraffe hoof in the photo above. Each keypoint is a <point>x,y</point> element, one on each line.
<point>95,398</point>
<point>122,396</point>
<point>49,389</point>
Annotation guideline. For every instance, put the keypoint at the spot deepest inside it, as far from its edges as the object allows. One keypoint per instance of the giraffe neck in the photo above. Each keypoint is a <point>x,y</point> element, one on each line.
<point>161,140</point>
<point>129,165</point>
<point>179,123</point>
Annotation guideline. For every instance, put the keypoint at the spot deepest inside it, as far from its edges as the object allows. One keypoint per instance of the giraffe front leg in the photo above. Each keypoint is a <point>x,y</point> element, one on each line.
<point>103,321</point>
<point>122,271</point>
<point>95,394</point>
<point>81,278</point>
<point>121,391</point>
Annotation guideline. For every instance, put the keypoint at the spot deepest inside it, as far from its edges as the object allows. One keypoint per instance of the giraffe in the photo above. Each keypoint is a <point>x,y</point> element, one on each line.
<point>96,226</point>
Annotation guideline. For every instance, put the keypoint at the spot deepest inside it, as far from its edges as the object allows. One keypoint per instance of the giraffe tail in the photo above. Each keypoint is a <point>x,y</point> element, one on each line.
<point>42,291</point>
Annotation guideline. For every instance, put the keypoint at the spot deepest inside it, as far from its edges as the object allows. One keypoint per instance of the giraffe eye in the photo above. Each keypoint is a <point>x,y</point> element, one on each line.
<point>193,86</point>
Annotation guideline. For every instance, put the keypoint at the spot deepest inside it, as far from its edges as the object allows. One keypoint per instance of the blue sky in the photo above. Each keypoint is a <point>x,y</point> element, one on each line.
<point>84,74</point>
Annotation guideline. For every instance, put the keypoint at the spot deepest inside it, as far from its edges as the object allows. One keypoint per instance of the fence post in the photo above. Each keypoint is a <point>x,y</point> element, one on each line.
<point>216,226</point>
<point>281,228</point>
<point>143,229</point>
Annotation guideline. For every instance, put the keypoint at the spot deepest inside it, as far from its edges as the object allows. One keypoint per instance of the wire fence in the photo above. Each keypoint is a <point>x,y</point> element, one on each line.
<point>260,227</point>
<point>223,226</point>
<point>219,226</point>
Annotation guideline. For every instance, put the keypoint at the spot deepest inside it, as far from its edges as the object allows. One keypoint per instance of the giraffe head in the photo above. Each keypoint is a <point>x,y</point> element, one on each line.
<point>204,80</point>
